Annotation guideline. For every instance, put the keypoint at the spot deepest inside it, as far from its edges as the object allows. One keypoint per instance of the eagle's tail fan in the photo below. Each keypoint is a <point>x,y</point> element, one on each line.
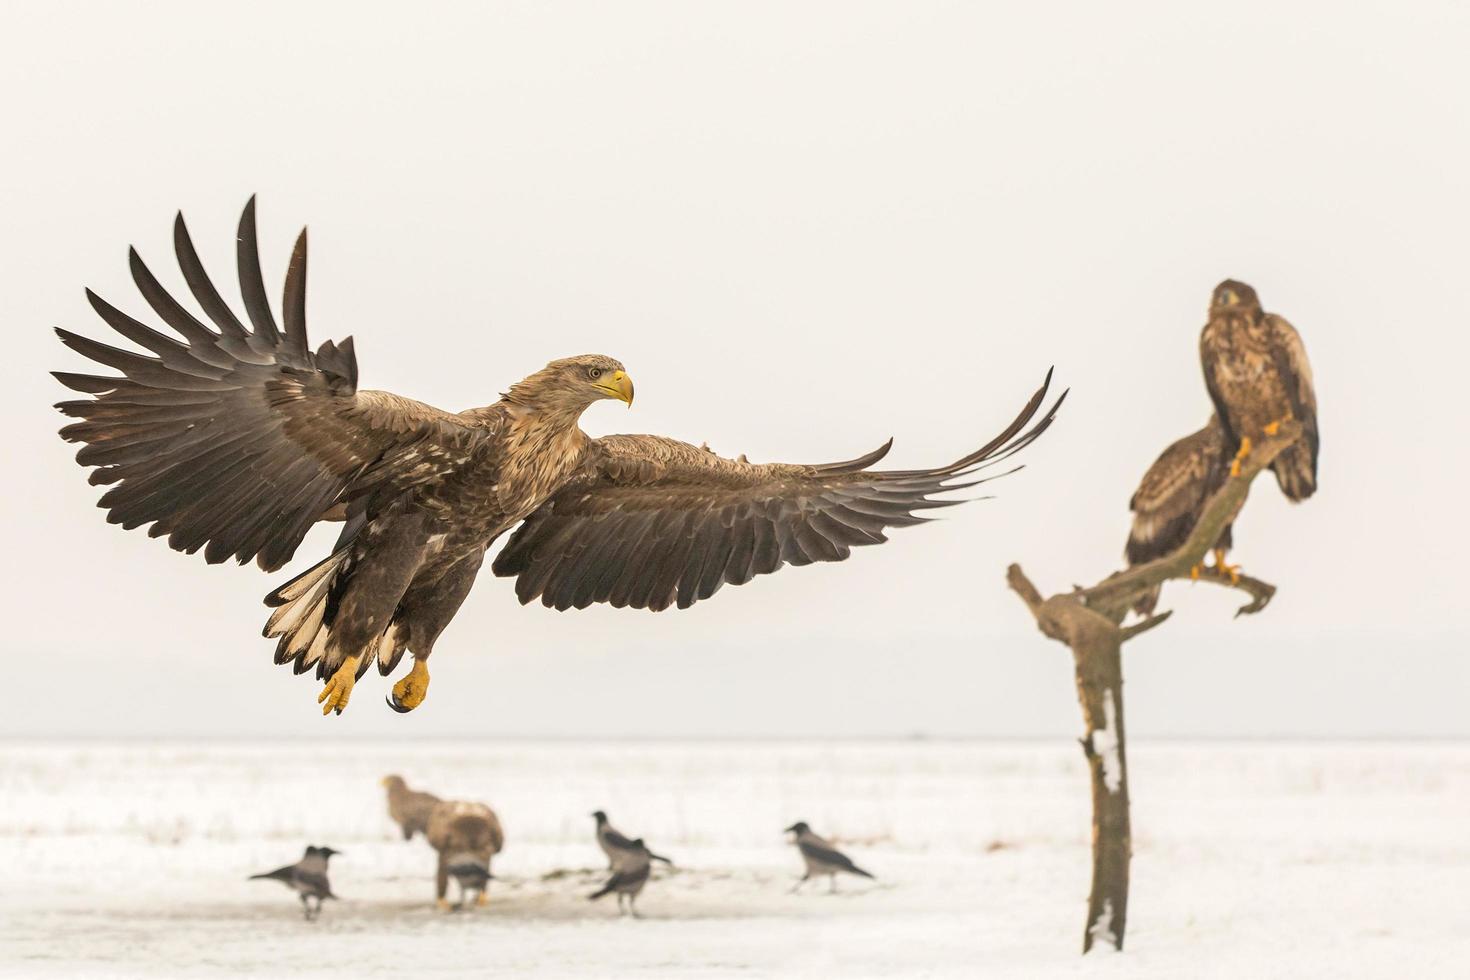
<point>1296,472</point>
<point>303,613</point>
<point>300,617</point>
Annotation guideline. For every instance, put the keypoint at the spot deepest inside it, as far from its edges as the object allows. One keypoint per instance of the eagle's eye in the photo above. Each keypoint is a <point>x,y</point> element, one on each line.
<point>594,373</point>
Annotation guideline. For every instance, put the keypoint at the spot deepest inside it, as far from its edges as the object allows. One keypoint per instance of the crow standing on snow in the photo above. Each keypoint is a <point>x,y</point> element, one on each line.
<point>630,874</point>
<point>307,877</point>
<point>820,856</point>
<point>618,848</point>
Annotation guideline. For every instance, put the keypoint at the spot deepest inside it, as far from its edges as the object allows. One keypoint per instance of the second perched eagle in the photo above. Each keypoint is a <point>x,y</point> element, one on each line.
<point>236,440</point>
<point>1257,373</point>
<point>1170,498</point>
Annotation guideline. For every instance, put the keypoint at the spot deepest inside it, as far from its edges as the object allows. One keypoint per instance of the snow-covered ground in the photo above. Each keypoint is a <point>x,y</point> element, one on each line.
<point>1252,860</point>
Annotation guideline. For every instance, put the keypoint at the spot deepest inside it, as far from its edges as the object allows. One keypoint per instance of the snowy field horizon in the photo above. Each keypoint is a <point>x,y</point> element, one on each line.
<point>1252,858</point>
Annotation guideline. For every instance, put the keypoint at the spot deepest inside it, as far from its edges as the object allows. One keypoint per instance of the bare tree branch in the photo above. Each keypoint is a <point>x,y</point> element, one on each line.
<point>1129,632</point>
<point>1088,620</point>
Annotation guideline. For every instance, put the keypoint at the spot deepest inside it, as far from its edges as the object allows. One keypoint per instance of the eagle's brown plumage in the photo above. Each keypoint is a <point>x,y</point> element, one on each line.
<point>409,808</point>
<point>1257,374</point>
<point>466,836</point>
<point>1171,496</point>
<point>236,440</point>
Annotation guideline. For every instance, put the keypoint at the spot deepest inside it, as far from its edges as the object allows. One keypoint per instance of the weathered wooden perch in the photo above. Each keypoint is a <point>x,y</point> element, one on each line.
<point>1090,622</point>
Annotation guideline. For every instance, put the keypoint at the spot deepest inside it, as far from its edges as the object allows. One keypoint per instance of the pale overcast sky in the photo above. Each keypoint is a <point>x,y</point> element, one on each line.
<point>804,228</point>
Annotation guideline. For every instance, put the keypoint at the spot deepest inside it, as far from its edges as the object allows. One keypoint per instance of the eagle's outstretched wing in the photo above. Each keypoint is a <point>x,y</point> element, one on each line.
<point>237,440</point>
<point>1171,496</point>
<point>654,522</point>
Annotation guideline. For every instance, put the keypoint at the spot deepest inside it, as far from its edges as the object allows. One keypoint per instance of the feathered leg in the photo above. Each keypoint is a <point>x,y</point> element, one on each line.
<point>429,608</point>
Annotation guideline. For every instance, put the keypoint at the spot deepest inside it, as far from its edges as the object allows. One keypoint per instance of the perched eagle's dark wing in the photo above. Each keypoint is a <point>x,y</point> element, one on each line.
<point>654,522</point>
<point>237,440</point>
<point>1296,468</point>
<point>1171,496</point>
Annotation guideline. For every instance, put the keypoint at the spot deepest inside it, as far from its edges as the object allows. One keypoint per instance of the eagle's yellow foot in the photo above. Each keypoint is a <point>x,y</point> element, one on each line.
<point>443,905</point>
<point>1242,453</point>
<point>1224,568</point>
<point>339,687</point>
<point>410,692</point>
<point>1194,572</point>
<point>483,899</point>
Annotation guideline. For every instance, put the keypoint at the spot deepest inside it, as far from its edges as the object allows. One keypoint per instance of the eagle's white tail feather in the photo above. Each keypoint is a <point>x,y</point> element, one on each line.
<point>299,618</point>
<point>309,579</point>
<point>318,648</point>
<point>290,617</point>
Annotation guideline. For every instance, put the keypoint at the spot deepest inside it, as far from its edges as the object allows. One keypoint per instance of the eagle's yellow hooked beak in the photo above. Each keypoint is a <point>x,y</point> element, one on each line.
<point>618,385</point>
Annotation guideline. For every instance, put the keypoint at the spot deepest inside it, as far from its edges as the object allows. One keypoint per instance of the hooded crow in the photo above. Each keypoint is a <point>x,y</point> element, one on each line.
<point>630,874</point>
<point>618,848</point>
<point>820,856</point>
<point>307,877</point>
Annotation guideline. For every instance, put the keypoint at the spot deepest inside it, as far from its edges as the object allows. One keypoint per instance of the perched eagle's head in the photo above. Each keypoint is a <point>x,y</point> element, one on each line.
<point>1234,296</point>
<point>573,383</point>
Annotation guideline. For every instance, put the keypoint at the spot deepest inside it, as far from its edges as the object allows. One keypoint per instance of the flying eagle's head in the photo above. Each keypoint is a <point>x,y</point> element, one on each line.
<point>571,384</point>
<point>800,827</point>
<point>1235,297</point>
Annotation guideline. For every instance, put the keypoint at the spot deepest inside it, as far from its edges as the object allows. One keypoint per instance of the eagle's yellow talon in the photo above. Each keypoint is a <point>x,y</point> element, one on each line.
<point>1273,427</point>
<point>338,688</point>
<point>1242,453</point>
<point>483,899</point>
<point>1224,568</point>
<point>1194,572</point>
<point>442,905</point>
<point>410,692</point>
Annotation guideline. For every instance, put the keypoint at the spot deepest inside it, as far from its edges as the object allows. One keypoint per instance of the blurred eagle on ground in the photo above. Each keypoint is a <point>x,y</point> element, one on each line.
<point>409,808</point>
<point>1170,498</point>
<point>1257,374</point>
<point>466,837</point>
<point>236,439</point>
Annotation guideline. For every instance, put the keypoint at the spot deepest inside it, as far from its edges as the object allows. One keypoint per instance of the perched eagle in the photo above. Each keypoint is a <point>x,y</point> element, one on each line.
<point>1257,373</point>
<point>1170,498</point>
<point>236,440</point>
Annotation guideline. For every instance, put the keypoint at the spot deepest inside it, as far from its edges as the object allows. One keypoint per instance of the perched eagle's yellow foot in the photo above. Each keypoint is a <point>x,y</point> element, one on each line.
<point>1195,571</point>
<point>410,692</point>
<point>443,905</point>
<point>1242,453</point>
<point>483,898</point>
<point>339,687</point>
